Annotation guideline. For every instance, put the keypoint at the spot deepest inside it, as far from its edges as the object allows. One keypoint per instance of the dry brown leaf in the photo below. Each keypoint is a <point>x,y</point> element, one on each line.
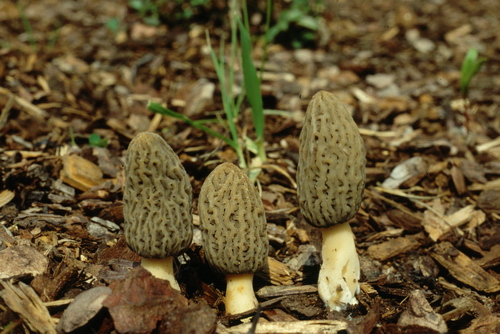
<point>141,303</point>
<point>420,313</point>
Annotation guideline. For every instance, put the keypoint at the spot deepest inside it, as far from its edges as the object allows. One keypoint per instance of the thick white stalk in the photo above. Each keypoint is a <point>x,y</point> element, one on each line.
<point>240,296</point>
<point>338,279</point>
<point>162,268</point>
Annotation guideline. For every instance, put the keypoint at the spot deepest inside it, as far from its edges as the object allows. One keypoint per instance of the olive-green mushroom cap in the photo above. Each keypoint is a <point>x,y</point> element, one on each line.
<point>232,222</point>
<point>332,159</point>
<point>157,199</point>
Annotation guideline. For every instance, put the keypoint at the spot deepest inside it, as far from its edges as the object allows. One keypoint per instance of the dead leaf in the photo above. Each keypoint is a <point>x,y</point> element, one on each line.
<point>138,303</point>
<point>404,171</point>
<point>420,313</point>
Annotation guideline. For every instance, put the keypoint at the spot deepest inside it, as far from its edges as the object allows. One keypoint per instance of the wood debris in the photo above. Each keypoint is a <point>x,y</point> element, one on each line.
<point>80,173</point>
<point>24,301</point>
<point>464,269</point>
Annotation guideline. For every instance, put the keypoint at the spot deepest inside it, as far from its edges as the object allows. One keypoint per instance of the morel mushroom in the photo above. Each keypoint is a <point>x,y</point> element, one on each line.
<point>157,204</point>
<point>330,183</point>
<point>233,226</point>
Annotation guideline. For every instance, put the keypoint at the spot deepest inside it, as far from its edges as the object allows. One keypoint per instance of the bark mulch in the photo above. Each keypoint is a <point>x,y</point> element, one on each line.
<point>75,80</point>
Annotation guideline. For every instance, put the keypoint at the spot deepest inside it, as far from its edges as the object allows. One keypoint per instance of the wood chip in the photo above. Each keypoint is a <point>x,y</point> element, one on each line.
<point>436,223</point>
<point>462,268</point>
<point>277,273</point>
<point>25,105</point>
<point>490,259</point>
<point>285,327</point>
<point>83,308</point>
<point>458,180</point>
<point>21,260</point>
<point>486,324</point>
<point>392,248</point>
<point>489,200</point>
<point>278,315</point>
<point>25,302</point>
<point>80,173</point>
<point>278,291</point>
<point>5,197</point>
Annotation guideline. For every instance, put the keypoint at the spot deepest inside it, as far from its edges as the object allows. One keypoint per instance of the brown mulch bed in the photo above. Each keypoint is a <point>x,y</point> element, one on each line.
<point>428,231</point>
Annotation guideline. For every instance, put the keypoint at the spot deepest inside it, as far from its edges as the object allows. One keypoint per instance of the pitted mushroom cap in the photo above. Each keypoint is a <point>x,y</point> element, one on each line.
<point>332,158</point>
<point>232,222</point>
<point>157,199</point>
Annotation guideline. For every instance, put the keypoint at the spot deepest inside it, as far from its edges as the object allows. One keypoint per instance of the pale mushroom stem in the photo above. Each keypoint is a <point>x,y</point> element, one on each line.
<point>338,279</point>
<point>240,296</point>
<point>161,268</point>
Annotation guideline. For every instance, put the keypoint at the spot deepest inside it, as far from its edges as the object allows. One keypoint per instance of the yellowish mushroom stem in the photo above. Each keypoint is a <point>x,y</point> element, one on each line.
<point>161,268</point>
<point>240,296</point>
<point>338,280</point>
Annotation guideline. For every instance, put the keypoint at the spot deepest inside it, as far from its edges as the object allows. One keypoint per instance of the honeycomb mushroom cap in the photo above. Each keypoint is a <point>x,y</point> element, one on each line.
<point>232,222</point>
<point>157,199</point>
<point>331,168</point>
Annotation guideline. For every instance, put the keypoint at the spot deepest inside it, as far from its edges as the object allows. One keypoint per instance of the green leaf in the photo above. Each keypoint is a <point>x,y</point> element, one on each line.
<point>96,141</point>
<point>136,4</point>
<point>470,66</point>
<point>113,24</point>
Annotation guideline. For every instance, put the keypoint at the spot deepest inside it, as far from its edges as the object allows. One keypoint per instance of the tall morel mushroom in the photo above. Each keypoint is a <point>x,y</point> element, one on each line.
<point>330,183</point>
<point>233,226</point>
<point>157,204</point>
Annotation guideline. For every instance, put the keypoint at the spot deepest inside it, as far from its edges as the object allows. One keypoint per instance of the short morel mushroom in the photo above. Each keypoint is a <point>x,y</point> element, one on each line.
<point>330,183</point>
<point>157,204</point>
<point>234,234</point>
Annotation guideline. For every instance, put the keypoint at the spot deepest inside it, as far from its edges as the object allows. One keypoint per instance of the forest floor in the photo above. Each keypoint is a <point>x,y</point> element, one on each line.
<point>75,81</point>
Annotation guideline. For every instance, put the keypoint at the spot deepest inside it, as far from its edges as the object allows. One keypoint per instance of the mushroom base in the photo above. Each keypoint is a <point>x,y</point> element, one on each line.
<point>161,268</point>
<point>338,280</point>
<point>240,296</point>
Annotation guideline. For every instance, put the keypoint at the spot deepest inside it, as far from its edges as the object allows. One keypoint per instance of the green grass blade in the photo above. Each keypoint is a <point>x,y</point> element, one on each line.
<point>470,66</point>
<point>157,108</point>
<point>252,82</point>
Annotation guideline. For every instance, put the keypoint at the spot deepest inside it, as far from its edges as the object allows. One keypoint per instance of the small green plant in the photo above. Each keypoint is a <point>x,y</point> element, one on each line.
<point>224,68</point>
<point>96,141</point>
<point>149,10</point>
<point>189,8</point>
<point>470,66</point>
<point>299,22</point>
<point>27,27</point>
<point>113,24</point>
<point>152,11</point>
